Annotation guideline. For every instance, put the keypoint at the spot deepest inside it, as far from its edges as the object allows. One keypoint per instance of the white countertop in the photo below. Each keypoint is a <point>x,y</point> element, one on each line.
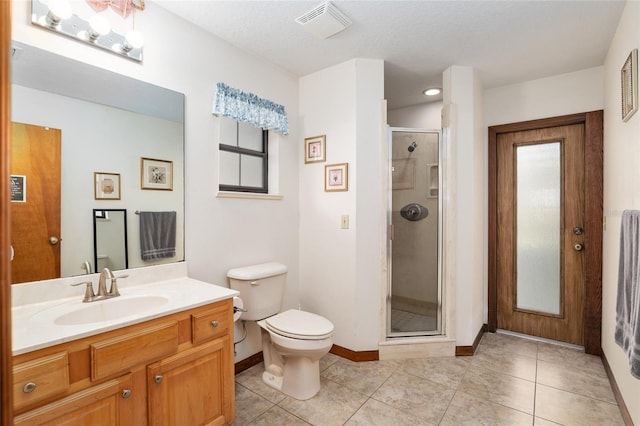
<point>34,324</point>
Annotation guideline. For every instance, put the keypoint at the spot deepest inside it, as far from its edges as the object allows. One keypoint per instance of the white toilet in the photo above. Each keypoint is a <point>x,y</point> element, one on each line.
<point>292,341</point>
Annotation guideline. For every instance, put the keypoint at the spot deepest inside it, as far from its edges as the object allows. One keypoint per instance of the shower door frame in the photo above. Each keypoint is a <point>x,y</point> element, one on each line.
<point>440,316</point>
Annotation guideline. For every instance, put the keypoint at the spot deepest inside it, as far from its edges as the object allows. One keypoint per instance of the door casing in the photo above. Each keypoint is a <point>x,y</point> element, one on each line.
<point>593,126</point>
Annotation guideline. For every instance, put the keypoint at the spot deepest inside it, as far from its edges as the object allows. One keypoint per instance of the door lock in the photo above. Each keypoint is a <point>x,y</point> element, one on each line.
<point>578,247</point>
<point>578,231</point>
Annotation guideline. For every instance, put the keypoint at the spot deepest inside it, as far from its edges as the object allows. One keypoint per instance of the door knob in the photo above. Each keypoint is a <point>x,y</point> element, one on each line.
<point>578,247</point>
<point>53,240</point>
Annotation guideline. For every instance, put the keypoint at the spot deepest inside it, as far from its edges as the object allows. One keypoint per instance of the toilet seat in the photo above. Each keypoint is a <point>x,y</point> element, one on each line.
<point>298,324</point>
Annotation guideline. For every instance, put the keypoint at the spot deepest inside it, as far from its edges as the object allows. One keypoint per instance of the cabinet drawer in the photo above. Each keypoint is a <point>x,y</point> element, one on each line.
<point>121,353</point>
<point>212,323</point>
<point>36,380</point>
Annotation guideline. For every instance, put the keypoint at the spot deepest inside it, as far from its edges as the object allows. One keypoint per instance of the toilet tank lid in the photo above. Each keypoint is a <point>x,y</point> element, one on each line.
<point>255,272</point>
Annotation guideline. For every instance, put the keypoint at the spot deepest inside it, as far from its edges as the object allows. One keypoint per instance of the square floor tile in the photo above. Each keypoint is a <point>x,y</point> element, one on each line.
<point>252,379</point>
<point>364,377</point>
<point>376,413</point>
<point>333,405</point>
<point>591,383</point>
<point>571,409</point>
<point>249,405</point>
<point>416,395</point>
<point>503,362</point>
<point>467,410</point>
<point>447,371</point>
<point>502,389</point>
<point>278,416</point>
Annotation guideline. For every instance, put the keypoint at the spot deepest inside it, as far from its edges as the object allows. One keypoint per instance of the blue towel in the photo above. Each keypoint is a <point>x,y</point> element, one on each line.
<point>157,235</point>
<point>627,333</point>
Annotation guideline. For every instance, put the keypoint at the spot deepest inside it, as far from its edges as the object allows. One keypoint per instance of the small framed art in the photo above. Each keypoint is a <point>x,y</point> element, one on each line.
<point>156,174</point>
<point>106,186</point>
<point>336,177</point>
<point>629,83</point>
<point>314,149</point>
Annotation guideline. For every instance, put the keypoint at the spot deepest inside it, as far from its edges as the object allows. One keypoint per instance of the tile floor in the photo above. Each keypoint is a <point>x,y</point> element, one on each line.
<point>403,321</point>
<point>509,381</point>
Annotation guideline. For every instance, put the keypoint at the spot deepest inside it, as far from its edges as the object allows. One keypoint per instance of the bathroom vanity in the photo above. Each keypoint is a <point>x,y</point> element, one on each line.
<point>162,355</point>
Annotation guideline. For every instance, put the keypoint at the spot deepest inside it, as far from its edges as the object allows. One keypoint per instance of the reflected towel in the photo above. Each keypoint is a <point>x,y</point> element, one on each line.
<point>157,235</point>
<point>627,333</point>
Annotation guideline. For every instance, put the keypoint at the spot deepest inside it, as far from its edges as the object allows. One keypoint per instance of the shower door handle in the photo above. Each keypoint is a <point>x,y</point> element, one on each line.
<point>391,231</point>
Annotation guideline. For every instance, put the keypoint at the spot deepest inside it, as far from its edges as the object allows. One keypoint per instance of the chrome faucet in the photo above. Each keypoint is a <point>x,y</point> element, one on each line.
<point>106,274</point>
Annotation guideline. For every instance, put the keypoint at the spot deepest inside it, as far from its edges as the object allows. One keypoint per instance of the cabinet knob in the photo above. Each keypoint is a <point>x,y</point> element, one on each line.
<point>214,323</point>
<point>158,378</point>
<point>29,387</point>
<point>126,393</point>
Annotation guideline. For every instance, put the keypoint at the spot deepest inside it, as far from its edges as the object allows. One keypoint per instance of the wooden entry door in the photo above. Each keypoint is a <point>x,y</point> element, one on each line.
<point>35,206</point>
<point>545,228</point>
<point>541,232</point>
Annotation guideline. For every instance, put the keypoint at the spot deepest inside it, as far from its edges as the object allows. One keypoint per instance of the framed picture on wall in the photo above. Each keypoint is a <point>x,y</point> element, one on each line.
<point>106,186</point>
<point>336,177</point>
<point>156,174</point>
<point>314,149</point>
<point>629,83</point>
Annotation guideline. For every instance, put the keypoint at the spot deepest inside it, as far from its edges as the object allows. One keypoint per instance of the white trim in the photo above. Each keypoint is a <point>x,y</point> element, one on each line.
<point>248,195</point>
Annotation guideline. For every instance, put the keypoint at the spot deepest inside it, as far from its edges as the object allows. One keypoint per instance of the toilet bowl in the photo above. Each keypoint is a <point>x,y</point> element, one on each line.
<point>293,341</point>
<point>292,344</point>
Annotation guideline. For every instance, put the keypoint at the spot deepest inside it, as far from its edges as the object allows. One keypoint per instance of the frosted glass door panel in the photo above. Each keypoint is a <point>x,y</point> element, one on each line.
<point>538,227</point>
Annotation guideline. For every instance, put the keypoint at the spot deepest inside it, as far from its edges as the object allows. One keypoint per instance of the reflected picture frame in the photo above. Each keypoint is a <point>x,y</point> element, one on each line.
<point>336,177</point>
<point>156,174</point>
<point>106,186</point>
<point>629,85</point>
<point>315,149</point>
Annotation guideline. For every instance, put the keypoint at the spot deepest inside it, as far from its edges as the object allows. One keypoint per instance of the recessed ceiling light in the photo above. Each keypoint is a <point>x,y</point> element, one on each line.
<point>432,92</point>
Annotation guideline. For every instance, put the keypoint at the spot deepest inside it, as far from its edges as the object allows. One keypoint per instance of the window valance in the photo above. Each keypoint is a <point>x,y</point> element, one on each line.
<point>249,108</point>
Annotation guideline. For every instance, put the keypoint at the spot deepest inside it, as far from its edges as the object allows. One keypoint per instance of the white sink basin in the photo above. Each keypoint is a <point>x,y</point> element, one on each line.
<point>110,309</point>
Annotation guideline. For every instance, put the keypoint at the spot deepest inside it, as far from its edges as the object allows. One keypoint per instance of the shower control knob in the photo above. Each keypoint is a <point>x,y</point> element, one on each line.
<point>578,247</point>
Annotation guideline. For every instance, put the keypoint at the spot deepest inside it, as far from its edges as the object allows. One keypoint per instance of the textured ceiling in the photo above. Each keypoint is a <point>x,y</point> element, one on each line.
<point>505,41</point>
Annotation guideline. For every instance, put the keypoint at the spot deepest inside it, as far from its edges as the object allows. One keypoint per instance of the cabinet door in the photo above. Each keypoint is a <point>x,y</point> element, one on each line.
<point>194,387</point>
<point>99,405</point>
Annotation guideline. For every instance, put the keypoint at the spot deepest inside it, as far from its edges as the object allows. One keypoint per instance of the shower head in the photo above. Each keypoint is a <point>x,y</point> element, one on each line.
<point>412,147</point>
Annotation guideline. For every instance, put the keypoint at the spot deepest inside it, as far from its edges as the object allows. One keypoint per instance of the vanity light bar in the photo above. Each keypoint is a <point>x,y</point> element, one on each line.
<point>79,29</point>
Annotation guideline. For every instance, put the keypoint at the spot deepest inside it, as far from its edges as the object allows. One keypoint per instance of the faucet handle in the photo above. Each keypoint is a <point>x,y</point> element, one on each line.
<point>89,295</point>
<point>113,289</point>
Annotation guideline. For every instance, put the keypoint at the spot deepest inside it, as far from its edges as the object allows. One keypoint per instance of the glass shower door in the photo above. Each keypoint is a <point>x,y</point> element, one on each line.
<point>414,299</point>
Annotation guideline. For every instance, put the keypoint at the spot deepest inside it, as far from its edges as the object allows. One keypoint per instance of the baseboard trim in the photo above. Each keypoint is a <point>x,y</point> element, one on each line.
<point>616,391</point>
<point>247,363</point>
<point>470,350</point>
<point>357,356</point>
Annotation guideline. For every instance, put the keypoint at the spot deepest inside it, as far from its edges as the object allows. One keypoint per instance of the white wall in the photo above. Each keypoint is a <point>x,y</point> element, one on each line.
<point>340,274</point>
<point>621,192</point>
<point>94,137</point>
<point>465,207</point>
<point>220,233</point>
<point>563,94</point>
<point>422,116</point>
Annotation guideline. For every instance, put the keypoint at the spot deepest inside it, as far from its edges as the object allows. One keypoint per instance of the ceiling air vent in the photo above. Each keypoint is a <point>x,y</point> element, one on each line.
<point>324,21</point>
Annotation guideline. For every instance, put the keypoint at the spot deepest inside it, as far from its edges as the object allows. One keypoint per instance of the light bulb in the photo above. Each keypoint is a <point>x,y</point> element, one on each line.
<point>98,26</point>
<point>432,92</point>
<point>58,10</point>
<point>133,40</point>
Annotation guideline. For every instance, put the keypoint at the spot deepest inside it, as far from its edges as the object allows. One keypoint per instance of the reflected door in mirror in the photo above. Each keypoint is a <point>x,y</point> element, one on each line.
<point>35,206</point>
<point>110,239</point>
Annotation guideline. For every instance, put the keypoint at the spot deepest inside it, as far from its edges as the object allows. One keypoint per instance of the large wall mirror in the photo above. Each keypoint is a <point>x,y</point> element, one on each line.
<point>98,126</point>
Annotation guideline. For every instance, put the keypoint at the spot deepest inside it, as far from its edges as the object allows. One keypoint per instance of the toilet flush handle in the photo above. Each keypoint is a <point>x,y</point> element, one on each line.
<point>256,282</point>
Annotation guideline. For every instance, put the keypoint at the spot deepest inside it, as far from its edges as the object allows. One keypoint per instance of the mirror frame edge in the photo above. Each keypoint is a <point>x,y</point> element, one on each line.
<point>6,392</point>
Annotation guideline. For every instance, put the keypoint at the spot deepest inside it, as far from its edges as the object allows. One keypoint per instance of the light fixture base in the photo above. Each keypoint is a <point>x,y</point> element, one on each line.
<point>79,29</point>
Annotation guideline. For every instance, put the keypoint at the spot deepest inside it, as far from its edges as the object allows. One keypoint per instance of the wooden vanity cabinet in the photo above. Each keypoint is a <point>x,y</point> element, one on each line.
<point>173,370</point>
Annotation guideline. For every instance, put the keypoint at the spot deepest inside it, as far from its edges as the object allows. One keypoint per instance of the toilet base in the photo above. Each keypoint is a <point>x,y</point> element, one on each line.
<point>303,376</point>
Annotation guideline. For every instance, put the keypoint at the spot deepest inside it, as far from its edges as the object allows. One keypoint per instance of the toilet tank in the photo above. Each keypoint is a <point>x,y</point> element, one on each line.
<point>261,288</point>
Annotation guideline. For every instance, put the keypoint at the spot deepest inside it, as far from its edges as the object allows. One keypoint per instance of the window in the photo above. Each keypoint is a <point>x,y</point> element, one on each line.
<point>243,157</point>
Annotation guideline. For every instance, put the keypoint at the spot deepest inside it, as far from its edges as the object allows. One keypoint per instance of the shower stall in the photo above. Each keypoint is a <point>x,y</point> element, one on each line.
<point>414,298</point>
